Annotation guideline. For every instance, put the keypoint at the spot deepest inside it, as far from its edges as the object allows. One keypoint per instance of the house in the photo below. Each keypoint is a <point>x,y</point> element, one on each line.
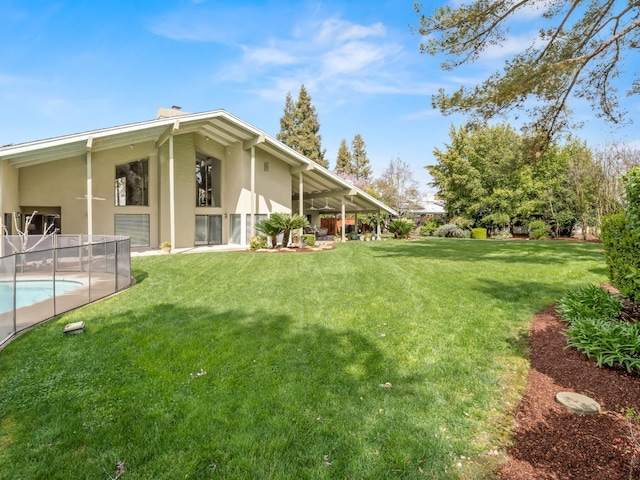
<point>428,207</point>
<point>188,178</point>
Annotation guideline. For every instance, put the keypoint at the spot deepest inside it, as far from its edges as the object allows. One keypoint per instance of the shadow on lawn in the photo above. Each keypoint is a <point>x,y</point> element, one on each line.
<point>277,396</point>
<point>462,250</point>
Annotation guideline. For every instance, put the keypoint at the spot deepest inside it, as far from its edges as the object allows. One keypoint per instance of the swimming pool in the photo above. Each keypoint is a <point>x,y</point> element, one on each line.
<point>32,291</point>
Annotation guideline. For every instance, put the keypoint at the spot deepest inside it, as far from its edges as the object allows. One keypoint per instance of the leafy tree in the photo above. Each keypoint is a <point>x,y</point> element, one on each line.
<point>343,160</point>
<point>484,175</point>
<point>615,160</point>
<point>397,187</point>
<point>478,175</point>
<point>299,128</point>
<point>583,173</point>
<point>579,54</point>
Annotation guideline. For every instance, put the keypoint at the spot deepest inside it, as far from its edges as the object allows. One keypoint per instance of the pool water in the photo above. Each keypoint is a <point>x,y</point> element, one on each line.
<point>29,292</point>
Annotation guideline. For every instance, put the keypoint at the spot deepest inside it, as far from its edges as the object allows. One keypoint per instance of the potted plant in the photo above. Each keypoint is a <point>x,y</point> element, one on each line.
<point>166,247</point>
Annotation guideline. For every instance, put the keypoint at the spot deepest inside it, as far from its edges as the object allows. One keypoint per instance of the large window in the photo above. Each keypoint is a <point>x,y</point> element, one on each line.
<point>132,183</point>
<point>208,181</point>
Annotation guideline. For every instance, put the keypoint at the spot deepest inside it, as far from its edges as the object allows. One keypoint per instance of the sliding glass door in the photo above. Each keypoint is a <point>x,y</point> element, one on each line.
<point>208,230</point>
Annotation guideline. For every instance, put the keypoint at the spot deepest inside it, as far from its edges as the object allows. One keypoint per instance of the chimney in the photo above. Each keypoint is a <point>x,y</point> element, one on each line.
<point>174,111</point>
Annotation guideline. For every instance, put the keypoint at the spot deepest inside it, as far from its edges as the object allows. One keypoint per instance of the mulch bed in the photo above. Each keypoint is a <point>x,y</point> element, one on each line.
<point>317,248</point>
<point>552,443</point>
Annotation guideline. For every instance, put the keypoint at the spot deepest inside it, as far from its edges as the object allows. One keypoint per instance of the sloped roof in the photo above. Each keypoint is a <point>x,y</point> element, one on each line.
<point>219,125</point>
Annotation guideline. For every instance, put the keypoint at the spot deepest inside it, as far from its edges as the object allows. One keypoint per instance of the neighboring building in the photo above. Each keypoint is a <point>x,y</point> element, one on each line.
<point>191,179</point>
<point>429,206</point>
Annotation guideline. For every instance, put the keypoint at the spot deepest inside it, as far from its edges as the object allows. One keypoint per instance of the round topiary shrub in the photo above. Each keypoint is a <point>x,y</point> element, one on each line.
<point>479,233</point>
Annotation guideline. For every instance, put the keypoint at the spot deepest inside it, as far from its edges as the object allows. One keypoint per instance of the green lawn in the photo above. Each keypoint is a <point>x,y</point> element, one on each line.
<point>297,349</point>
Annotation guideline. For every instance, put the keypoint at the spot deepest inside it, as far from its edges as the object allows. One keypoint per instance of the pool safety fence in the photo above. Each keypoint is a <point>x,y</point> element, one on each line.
<point>41,277</point>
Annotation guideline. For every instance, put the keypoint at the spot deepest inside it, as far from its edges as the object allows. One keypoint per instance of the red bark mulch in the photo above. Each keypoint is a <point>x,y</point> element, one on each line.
<point>552,443</point>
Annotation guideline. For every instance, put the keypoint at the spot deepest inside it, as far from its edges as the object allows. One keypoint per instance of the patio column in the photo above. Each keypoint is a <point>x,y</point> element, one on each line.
<point>89,189</point>
<point>300,204</point>
<point>252,221</point>
<point>355,224</point>
<point>172,200</point>
<point>344,218</point>
<point>378,231</point>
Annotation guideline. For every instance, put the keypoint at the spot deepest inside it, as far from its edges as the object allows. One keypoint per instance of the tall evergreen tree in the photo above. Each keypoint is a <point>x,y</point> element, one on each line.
<point>360,161</point>
<point>299,128</point>
<point>343,161</point>
<point>287,134</point>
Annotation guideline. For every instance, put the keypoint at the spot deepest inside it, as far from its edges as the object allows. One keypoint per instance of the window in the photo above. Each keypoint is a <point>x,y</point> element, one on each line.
<point>134,226</point>
<point>208,181</point>
<point>258,217</point>
<point>132,183</point>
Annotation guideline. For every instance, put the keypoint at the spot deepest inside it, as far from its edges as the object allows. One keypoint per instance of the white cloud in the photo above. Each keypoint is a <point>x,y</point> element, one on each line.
<point>337,30</point>
<point>352,57</point>
<point>267,56</point>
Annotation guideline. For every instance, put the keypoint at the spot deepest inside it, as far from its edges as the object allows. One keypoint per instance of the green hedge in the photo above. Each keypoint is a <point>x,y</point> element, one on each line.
<point>622,254</point>
<point>308,240</point>
<point>479,233</point>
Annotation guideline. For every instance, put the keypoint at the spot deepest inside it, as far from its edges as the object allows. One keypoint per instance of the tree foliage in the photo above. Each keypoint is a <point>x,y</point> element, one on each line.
<point>299,127</point>
<point>485,175</point>
<point>580,53</point>
<point>354,162</point>
<point>360,161</point>
<point>397,187</point>
<point>343,159</point>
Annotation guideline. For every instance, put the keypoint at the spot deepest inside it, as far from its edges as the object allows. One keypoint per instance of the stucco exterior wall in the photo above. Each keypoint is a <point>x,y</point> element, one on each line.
<point>273,187</point>
<point>10,202</point>
<point>61,186</point>
<point>184,157</point>
<point>56,185</point>
<point>103,171</point>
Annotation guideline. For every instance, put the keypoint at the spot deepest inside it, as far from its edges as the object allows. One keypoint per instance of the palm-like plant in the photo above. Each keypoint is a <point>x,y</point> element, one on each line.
<point>271,229</point>
<point>289,222</point>
<point>401,227</point>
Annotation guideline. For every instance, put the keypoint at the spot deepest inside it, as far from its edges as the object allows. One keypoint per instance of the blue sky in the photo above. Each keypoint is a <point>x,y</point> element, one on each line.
<point>72,66</point>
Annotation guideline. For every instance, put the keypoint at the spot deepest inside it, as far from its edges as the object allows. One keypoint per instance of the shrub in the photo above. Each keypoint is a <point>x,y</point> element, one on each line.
<point>479,233</point>
<point>588,301</point>
<point>622,254</point>
<point>308,240</point>
<point>462,222</point>
<point>538,229</point>
<point>401,227</point>
<point>501,234</point>
<point>257,242</point>
<point>595,330</point>
<point>429,227</point>
<point>608,342</point>
<point>449,230</point>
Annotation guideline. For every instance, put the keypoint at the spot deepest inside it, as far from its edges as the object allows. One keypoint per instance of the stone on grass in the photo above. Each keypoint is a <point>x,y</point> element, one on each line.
<point>75,327</point>
<point>578,404</point>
